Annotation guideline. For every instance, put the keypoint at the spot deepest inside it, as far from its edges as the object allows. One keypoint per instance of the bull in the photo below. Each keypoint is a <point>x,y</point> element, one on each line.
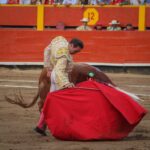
<point>79,73</point>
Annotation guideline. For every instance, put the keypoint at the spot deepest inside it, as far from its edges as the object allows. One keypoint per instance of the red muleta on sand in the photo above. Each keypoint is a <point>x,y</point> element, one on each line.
<point>91,111</point>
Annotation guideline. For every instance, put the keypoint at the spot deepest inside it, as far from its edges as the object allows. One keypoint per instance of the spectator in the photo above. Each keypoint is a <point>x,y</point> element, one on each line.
<point>137,2</point>
<point>93,2</point>
<point>25,1</point>
<point>84,2</point>
<point>13,2</point>
<point>47,2</point>
<point>3,1</point>
<point>114,25</point>
<point>120,2</point>
<point>99,2</point>
<point>84,26</point>
<point>59,2</point>
<point>99,26</point>
<point>60,26</point>
<point>147,2</point>
<point>104,2</point>
<point>33,2</point>
<point>116,2</point>
<point>71,2</point>
<point>129,27</point>
<point>125,2</point>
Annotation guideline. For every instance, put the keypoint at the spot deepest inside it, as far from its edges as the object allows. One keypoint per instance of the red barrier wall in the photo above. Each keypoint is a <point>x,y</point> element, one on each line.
<point>148,17</point>
<point>122,14</point>
<point>101,47</point>
<point>27,15</point>
<point>106,14</point>
<point>19,16</point>
<point>70,16</point>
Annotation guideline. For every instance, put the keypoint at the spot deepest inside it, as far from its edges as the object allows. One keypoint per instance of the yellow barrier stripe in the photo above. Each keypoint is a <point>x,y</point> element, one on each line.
<point>141,23</point>
<point>40,17</point>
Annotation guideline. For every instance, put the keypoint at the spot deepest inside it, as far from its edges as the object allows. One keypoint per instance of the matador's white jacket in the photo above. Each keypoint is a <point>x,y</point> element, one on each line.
<point>58,59</point>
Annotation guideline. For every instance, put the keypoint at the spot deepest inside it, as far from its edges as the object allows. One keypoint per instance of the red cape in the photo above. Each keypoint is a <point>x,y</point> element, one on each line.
<point>91,111</point>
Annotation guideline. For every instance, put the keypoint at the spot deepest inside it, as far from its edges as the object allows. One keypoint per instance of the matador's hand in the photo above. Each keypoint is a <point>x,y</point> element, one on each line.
<point>69,85</point>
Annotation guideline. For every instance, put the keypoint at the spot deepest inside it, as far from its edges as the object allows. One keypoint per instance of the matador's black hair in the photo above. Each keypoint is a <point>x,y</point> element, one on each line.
<point>77,42</point>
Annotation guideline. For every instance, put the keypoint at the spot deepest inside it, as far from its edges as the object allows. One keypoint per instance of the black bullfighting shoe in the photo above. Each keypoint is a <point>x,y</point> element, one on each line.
<point>40,131</point>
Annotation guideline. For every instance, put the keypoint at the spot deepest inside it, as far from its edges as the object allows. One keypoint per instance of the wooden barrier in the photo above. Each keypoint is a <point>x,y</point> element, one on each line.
<point>100,46</point>
<point>106,14</point>
<point>18,15</point>
<point>49,15</point>
<point>147,16</point>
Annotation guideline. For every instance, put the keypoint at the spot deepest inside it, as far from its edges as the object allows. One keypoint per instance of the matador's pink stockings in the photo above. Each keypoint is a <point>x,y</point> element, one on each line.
<point>41,124</point>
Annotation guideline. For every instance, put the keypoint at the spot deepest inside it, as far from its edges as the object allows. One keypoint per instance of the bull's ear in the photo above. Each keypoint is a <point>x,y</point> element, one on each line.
<point>91,74</point>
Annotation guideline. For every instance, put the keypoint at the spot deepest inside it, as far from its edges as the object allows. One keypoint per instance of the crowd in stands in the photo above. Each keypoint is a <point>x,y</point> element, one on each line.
<point>114,25</point>
<point>76,2</point>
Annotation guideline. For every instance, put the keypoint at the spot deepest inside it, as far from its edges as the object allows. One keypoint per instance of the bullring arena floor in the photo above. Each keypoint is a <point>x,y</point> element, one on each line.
<point>16,124</point>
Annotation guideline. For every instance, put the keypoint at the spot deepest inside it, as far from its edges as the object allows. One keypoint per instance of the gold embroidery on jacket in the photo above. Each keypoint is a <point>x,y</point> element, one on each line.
<point>60,60</point>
